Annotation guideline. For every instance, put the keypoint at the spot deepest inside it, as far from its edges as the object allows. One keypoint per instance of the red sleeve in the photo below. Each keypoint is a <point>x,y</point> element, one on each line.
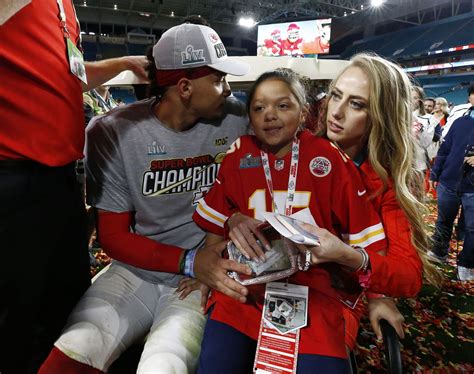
<point>360,223</point>
<point>133,249</point>
<point>399,273</point>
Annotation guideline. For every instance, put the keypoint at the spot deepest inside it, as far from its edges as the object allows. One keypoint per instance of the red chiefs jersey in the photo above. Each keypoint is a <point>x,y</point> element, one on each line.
<point>292,49</point>
<point>329,184</point>
<point>273,47</point>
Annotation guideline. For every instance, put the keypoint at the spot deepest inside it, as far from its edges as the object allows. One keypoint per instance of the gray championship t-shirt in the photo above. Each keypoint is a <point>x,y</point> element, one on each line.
<point>135,163</point>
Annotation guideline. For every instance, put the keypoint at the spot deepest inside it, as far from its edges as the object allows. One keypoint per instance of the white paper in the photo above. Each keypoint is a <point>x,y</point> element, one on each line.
<point>291,228</point>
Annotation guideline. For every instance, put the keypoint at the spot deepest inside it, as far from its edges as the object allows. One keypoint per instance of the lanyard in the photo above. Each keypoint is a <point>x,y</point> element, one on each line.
<point>295,150</point>
<point>62,18</point>
<point>106,104</point>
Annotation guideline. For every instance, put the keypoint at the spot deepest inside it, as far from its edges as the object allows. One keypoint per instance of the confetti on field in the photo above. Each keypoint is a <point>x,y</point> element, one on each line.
<point>439,324</point>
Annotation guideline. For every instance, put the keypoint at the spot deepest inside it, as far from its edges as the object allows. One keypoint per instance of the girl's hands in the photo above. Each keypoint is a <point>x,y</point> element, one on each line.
<point>188,285</point>
<point>244,232</point>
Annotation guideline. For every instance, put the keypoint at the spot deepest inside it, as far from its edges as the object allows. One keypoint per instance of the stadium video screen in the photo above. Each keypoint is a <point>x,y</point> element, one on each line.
<point>298,39</point>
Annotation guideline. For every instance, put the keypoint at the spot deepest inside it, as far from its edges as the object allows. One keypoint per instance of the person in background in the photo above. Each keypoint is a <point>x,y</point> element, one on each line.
<point>381,145</point>
<point>424,130</point>
<point>44,268</point>
<point>439,118</point>
<point>452,176</point>
<point>147,166</point>
<point>99,100</point>
<point>458,111</point>
<point>429,104</point>
<point>417,95</point>
<point>120,102</point>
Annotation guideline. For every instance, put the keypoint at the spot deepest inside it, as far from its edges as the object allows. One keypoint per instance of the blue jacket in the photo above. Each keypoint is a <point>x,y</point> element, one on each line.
<point>449,168</point>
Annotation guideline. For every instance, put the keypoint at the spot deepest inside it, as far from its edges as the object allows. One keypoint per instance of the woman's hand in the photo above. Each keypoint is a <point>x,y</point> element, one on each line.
<point>243,231</point>
<point>188,285</point>
<point>385,308</point>
<point>331,249</point>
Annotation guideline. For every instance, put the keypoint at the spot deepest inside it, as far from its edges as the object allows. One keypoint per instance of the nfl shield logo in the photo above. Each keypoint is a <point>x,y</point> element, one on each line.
<point>279,165</point>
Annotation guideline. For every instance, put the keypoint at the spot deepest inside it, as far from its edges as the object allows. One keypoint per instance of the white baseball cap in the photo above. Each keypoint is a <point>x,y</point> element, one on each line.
<point>188,46</point>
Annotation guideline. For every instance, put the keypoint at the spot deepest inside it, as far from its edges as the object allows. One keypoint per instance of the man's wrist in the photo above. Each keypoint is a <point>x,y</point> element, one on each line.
<point>182,259</point>
<point>189,258</point>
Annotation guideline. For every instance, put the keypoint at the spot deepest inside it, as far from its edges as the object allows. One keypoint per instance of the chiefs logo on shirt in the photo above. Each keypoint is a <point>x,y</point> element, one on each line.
<point>320,166</point>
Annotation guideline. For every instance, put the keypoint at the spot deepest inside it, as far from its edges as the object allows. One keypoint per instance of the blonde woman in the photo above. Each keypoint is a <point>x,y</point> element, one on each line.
<point>369,115</point>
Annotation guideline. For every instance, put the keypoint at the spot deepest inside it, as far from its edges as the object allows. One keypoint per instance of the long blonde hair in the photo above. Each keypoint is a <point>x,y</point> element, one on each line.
<point>391,143</point>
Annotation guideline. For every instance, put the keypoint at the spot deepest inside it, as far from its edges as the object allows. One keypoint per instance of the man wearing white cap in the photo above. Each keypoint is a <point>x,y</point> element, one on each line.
<point>147,165</point>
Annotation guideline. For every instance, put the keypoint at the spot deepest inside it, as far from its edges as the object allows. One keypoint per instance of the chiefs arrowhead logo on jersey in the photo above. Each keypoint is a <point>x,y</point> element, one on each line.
<point>320,166</point>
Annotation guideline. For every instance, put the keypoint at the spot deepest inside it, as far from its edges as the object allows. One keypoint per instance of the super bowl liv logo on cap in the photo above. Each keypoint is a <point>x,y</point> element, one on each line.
<point>192,56</point>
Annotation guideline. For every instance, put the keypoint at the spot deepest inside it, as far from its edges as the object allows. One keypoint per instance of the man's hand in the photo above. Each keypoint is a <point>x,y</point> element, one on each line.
<point>433,184</point>
<point>211,269</point>
<point>99,72</point>
<point>385,308</point>
<point>138,64</point>
<point>242,231</point>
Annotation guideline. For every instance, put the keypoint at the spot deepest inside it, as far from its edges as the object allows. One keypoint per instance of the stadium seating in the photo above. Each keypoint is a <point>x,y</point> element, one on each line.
<point>109,50</point>
<point>137,49</point>
<point>419,40</point>
<point>90,50</point>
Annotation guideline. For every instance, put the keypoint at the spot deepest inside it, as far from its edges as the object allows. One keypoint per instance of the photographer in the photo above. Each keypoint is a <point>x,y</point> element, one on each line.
<point>453,176</point>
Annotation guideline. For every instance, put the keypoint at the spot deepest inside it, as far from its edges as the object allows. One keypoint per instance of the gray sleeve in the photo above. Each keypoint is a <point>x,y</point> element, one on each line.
<point>106,182</point>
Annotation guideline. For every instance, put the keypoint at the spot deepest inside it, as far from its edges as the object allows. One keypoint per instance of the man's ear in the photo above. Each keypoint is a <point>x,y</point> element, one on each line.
<point>184,88</point>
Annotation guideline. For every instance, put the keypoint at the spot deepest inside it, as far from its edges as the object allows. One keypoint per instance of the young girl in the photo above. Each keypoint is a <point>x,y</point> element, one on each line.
<point>284,168</point>
<point>369,117</point>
